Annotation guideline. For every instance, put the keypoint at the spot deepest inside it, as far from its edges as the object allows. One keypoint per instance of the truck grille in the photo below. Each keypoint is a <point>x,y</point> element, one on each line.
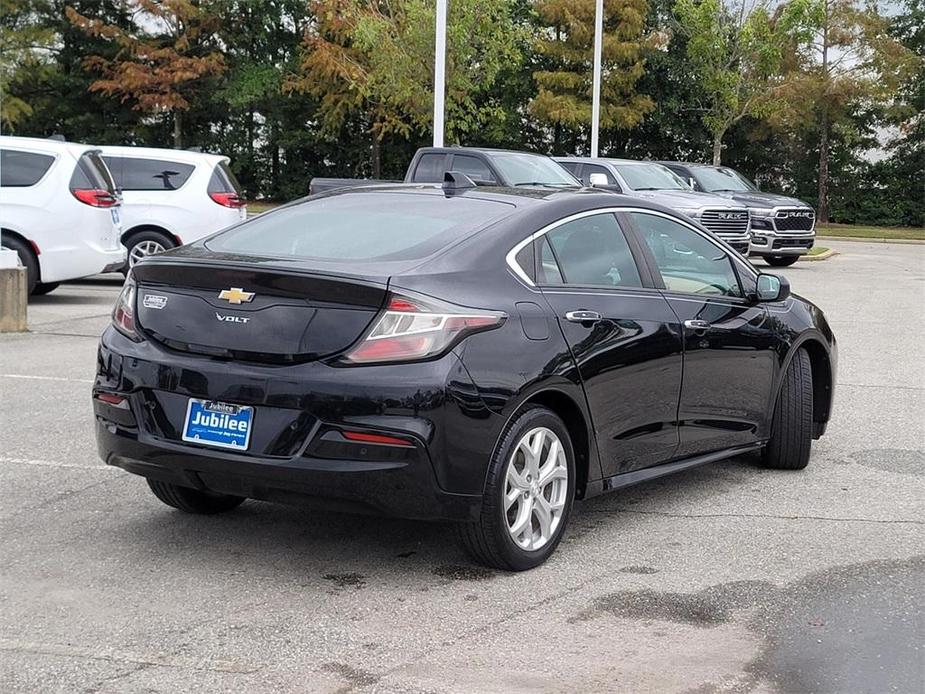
<point>798,219</point>
<point>725,222</point>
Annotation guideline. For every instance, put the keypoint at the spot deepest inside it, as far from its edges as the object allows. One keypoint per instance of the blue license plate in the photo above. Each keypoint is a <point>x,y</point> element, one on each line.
<point>218,424</point>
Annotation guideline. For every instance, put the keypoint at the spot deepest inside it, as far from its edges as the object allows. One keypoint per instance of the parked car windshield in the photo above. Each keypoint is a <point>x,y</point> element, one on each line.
<point>722,180</point>
<point>523,169</point>
<point>361,227</point>
<point>650,177</point>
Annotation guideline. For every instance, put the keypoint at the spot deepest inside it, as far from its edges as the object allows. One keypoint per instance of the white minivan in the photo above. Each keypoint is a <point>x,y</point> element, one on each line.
<point>171,196</point>
<point>59,210</point>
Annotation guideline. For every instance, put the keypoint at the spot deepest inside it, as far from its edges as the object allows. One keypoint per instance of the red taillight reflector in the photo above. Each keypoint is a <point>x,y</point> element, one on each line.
<point>95,197</point>
<point>397,303</point>
<point>381,439</point>
<point>114,400</point>
<point>227,199</point>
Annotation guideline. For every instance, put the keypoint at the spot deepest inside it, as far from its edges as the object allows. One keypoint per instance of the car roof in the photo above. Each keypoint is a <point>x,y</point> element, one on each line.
<point>486,150</point>
<point>694,165</point>
<point>184,156</point>
<point>45,145</point>
<point>612,160</point>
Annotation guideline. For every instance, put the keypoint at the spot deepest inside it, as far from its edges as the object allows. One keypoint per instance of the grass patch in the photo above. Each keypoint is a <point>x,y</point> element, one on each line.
<point>870,232</point>
<point>261,206</point>
<point>818,250</point>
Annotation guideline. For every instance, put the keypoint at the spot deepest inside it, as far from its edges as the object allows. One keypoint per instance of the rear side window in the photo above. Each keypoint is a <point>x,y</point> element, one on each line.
<point>430,168</point>
<point>361,227</point>
<point>91,173</point>
<point>591,251</point>
<point>131,173</point>
<point>22,169</point>
<point>223,180</point>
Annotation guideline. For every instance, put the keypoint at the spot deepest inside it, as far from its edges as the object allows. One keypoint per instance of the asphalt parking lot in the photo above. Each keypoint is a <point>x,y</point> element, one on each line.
<point>727,578</point>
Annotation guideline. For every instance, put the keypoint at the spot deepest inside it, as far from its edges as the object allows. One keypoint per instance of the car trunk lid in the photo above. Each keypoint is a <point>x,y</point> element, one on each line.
<point>268,314</point>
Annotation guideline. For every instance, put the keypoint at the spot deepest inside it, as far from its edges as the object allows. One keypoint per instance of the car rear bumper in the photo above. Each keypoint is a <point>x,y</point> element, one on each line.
<point>303,414</point>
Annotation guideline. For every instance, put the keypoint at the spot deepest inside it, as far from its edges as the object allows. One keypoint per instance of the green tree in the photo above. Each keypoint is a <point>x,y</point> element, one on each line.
<point>565,44</point>
<point>25,42</point>
<point>738,51</point>
<point>376,59</point>
<point>158,68</point>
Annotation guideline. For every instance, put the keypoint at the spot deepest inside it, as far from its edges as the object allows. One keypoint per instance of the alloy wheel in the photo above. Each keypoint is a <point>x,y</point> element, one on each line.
<point>143,249</point>
<point>536,489</point>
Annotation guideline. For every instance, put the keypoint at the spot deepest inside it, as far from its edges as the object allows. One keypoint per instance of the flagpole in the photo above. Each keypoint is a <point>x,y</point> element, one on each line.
<point>439,73</point>
<point>596,80</point>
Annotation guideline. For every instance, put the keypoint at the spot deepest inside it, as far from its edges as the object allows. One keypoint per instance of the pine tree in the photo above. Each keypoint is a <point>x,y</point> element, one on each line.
<point>565,46</point>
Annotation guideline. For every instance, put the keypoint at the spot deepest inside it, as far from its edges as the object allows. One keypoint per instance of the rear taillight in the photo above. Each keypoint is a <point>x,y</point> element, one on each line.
<point>123,315</point>
<point>227,199</point>
<point>95,197</point>
<point>413,328</point>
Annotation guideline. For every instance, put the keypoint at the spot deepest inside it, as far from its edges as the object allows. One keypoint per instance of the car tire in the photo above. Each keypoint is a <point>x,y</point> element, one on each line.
<point>45,288</point>
<point>792,426</point>
<point>781,260</point>
<point>193,500</point>
<point>513,490</point>
<point>146,243</point>
<point>28,260</point>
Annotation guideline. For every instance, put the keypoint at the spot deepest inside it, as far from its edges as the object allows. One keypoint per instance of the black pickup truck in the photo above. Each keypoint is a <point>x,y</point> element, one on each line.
<point>489,167</point>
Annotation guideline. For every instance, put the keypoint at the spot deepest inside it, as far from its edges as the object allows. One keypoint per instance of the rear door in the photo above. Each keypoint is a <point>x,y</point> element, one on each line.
<point>730,342</point>
<point>622,333</point>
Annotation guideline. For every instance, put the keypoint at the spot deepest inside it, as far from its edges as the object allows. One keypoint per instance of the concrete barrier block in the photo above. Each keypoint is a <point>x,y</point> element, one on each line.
<point>13,300</point>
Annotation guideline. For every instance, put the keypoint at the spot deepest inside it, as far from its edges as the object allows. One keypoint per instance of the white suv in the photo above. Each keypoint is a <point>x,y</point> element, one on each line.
<point>171,197</point>
<point>59,210</point>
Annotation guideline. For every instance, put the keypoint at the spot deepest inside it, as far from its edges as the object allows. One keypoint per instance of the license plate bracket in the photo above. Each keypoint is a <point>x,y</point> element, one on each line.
<point>218,424</point>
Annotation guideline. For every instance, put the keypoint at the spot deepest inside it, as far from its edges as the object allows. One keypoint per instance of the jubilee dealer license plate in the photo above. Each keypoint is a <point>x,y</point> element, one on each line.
<point>218,424</point>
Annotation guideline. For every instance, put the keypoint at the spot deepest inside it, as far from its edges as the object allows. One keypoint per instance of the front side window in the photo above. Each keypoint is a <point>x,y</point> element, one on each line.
<point>473,167</point>
<point>148,174</point>
<point>22,169</point>
<point>687,261</point>
<point>590,251</point>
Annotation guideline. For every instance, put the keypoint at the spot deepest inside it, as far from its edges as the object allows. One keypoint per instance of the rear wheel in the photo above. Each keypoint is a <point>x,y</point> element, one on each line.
<point>146,243</point>
<point>193,500</point>
<point>781,260</point>
<point>28,260</point>
<point>792,428</point>
<point>528,495</point>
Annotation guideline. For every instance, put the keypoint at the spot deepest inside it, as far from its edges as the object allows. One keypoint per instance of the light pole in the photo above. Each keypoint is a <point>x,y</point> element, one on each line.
<point>439,73</point>
<point>596,79</point>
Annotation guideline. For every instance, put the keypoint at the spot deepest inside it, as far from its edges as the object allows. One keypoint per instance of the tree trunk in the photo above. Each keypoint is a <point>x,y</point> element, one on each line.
<point>177,130</point>
<point>718,148</point>
<point>377,157</point>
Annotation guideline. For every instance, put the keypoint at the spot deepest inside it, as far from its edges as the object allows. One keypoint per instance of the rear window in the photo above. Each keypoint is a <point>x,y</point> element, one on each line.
<point>223,180</point>
<point>131,173</point>
<point>430,168</point>
<point>22,169</point>
<point>361,227</point>
<point>91,173</point>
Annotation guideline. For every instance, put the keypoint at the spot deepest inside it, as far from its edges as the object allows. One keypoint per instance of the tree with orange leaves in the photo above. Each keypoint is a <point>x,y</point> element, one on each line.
<point>157,66</point>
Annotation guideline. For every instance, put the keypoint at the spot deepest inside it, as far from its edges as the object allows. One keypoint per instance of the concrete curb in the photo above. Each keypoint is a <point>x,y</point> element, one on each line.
<point>861,239</point>
<point>822,256</point>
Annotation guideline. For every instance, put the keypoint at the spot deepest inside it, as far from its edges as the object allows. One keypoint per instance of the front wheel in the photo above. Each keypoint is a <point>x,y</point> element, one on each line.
<point>781,260</point>
<point>792,427</point>
<point>192,500</point>
<point>528,494</point>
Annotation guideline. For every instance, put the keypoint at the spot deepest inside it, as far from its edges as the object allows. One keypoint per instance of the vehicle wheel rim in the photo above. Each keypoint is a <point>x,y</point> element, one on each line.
<point>536,489</point>
<point>142,249</point>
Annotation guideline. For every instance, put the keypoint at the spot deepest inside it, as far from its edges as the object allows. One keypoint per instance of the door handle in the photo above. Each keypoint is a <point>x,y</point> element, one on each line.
<point>583,316</point>
<point>697,325</point>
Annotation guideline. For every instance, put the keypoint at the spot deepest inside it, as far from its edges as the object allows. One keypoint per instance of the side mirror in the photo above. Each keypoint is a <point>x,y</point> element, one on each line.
<point>772,287</point>
<point>596,180</point>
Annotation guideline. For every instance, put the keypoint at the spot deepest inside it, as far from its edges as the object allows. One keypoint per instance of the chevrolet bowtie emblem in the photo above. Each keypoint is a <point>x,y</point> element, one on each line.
<point>236,295</point>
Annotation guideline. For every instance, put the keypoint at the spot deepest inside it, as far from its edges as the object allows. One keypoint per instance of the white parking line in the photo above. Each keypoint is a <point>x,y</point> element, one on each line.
<point>47,378</point>
<point>54,463</point>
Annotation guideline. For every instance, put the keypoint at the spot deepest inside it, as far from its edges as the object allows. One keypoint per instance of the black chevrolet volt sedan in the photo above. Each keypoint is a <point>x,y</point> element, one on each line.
<point>444,352</point>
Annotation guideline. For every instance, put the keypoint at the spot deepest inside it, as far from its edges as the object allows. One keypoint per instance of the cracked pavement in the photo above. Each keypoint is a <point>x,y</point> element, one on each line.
<point>727,578</point>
